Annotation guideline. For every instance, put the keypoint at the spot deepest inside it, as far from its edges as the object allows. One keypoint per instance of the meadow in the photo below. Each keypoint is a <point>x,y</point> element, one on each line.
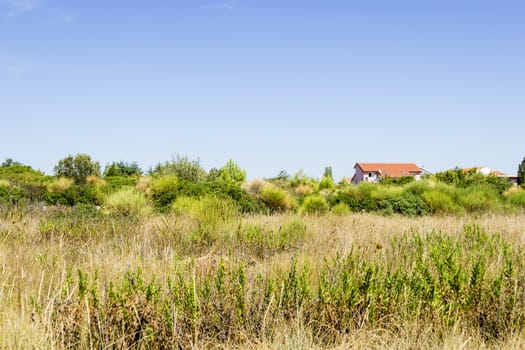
<point>188,259</point>
<point>75,278</point>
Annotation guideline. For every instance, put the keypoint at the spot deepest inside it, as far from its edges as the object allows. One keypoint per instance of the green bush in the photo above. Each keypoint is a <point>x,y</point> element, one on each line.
<point>208,212</point>
<point>76,194</point>
<point>77,168</point>
<point>340,209</point>
<point>128,201</point>
<point>417,188</point>
<point>517,199</point>
<point>275,198</point>
<point>405,204</point>
<point>114,183</point>
<point>478,198</point>
<point>164,190</point>
<point>326,183</point>
<point>441,202</point>
<point>347,196</point>
<point>314,204</point>
<point>122,169</point>
<point>182,168</point>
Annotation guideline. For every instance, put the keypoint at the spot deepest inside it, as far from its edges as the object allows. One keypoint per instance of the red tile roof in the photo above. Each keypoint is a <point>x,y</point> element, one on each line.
<point>390,169</point>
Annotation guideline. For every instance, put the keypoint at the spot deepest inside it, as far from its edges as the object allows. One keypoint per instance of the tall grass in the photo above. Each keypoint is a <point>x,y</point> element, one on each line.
<point>76,278</point>
<point>129,202</point>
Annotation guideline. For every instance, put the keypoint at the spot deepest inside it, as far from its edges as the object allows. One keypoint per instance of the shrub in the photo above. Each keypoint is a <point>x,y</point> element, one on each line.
<point>124,169</point>
<point>207,212</point>
<point>314,204</point>
<point>326,183</point>
<point>255,186</point>
<point>128,201</point>
<point>275,198</point>
<point>164,190</point>
<point>95,180</point>
<point>182,168</point>
<point>478,198</point>
<point>404,203</point>
<point>349,196</point>
<point>77,168</point>
<point>114,183</point>
<point>232,172</point>
<point>144,184</point>
<point>418,187</point>
<point>340,209</point>
<point>440,202</point>
<point>60,184</point>
<point>76,194</point>
<point>517,199</point>
<point>304,190</point>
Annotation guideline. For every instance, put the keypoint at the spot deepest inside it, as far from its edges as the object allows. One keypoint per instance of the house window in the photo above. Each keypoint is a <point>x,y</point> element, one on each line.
<point>403,173</point>
<point>369,174</point>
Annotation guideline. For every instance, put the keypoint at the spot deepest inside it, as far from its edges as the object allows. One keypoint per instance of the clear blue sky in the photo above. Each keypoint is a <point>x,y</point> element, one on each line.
<point>273,84</point>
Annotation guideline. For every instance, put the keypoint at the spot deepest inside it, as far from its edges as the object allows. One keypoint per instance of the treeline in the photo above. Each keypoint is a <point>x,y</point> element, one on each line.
<point>124,188</point>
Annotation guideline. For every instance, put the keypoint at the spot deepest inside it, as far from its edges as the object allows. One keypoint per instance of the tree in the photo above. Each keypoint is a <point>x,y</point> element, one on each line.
<point>232,172</point>
<point>182,167</point>
<point>77,168</point>
<point>328,172</point>
<point>122,169</point>
<point>521,173</point>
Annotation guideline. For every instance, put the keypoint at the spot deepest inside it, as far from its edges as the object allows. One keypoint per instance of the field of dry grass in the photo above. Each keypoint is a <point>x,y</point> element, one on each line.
<point>71,279</point>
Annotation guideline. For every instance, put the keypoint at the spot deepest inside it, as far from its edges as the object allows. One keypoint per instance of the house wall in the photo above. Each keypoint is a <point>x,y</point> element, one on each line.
<point>362,176</point>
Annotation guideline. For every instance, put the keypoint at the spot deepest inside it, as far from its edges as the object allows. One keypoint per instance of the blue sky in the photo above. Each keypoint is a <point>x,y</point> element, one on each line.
<point>273,84</point>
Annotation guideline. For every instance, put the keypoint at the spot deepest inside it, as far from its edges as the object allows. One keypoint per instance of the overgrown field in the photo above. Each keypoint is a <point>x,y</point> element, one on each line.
<point>206,276</point>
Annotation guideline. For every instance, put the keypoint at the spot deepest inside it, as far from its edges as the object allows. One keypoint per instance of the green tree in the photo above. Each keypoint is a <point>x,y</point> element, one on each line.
<point>183,168</point>
<point>122,169</point>
<point>232,172</point>
<point>328,172</point>
<point>77,168</point>
<point>521,173</point>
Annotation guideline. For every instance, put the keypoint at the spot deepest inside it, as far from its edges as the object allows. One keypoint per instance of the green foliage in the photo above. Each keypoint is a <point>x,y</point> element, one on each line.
<point>183,168</point>
<point>128,201</point>
<point>11,194</point>
<point>114,183</point>
<point>462,178</point>
<point>387,180</point>
<point>440,201</point>
<point>479,198</point>
<point>25,182</point>
<point>208,212</point>
<point>521,173</point>
<point>77,168</point>
<point>517,199</point>
<point>122,169</point>
<point>275,198</point>
<point>472,281</point>
<point>314,204</point>
<point>232,172</point>
<point>328,172</point>
<point>326,183</point>
<point>76,194</point>
<point>164,190</point>
<point>404,203</point>
<point>340,209</point>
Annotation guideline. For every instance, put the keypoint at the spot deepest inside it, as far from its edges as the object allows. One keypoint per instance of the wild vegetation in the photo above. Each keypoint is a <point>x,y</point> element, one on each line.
<point>186,258</point>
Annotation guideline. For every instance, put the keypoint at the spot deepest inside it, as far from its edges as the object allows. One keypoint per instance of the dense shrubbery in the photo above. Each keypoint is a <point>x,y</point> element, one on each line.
<point>128,201</point>
<point>449,192</point>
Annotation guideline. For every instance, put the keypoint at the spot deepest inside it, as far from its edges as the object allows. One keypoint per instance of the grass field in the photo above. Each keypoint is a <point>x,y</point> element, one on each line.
<point>78,278</point>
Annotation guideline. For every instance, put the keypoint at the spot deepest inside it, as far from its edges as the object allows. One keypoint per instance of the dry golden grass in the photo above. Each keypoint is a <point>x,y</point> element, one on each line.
<point>36,259</point>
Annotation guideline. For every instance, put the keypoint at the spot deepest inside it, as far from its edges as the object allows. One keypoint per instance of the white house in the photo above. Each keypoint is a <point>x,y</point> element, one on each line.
<point>373,172</point>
